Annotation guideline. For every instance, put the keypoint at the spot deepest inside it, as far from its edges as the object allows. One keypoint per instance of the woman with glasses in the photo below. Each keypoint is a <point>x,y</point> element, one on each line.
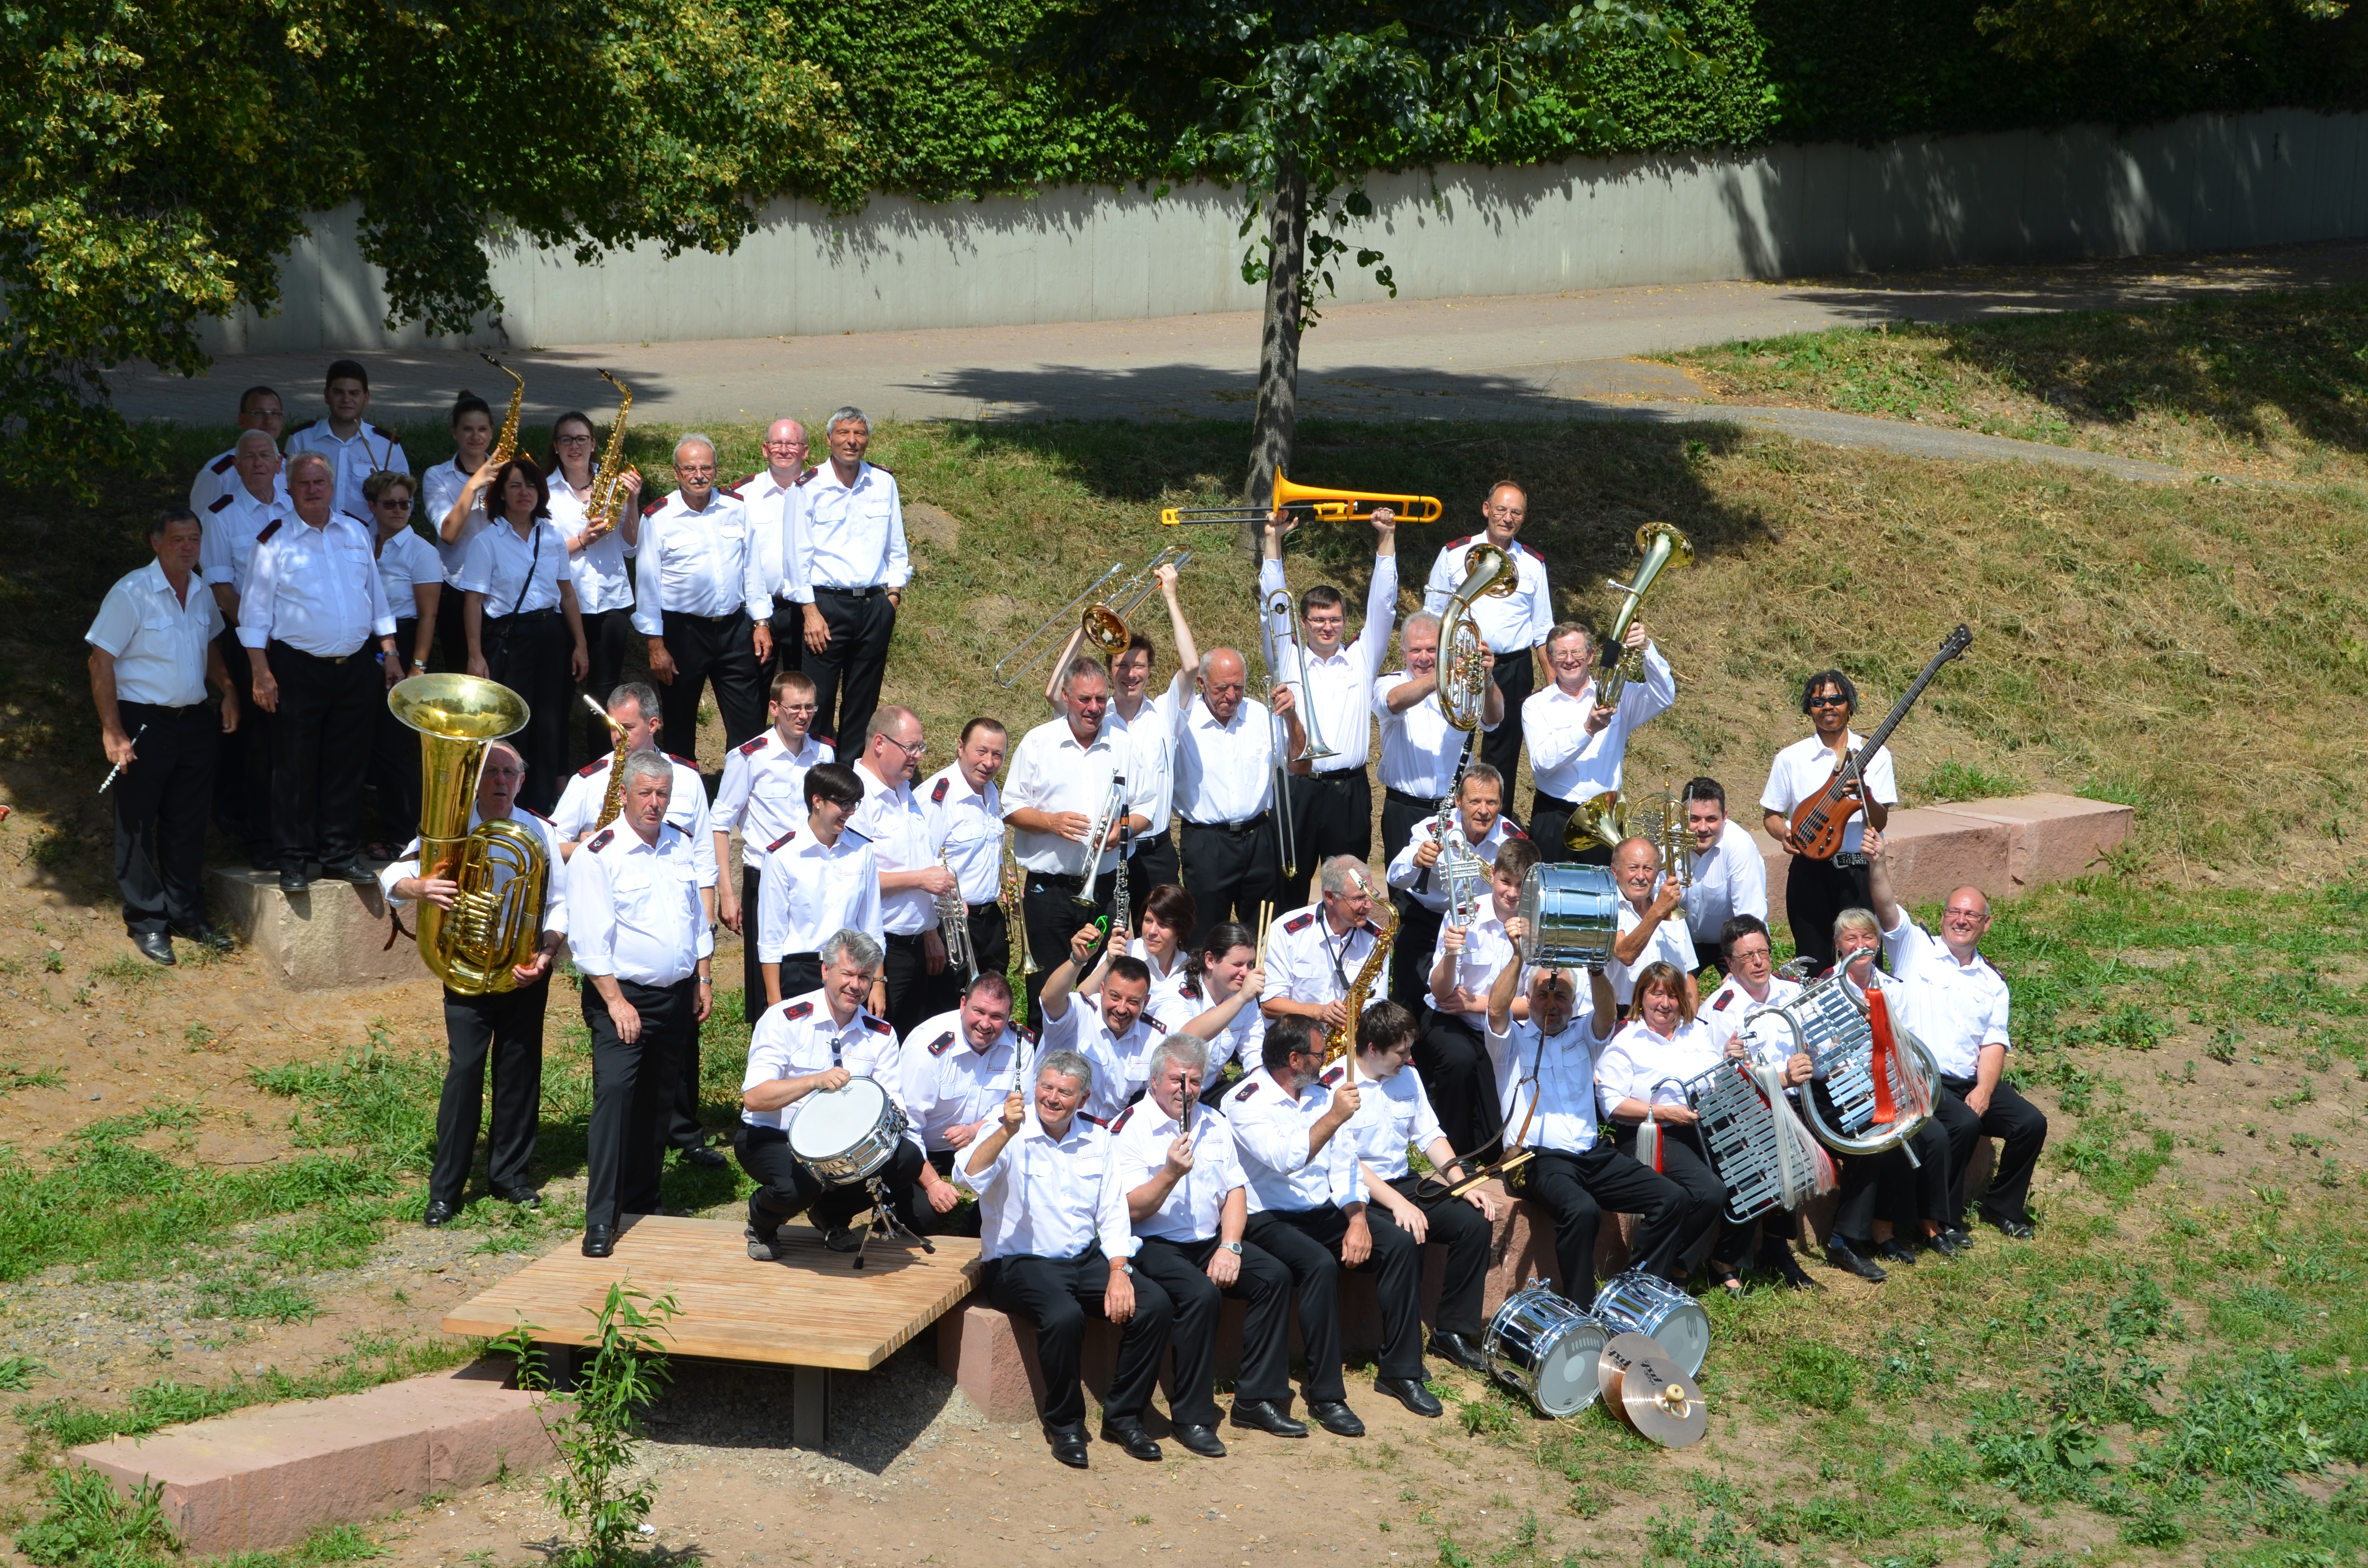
<point>455,494</point>
<point>413,575</point>
<point>596,562</point>
<point>1816,890</point>
<point>521,621</point>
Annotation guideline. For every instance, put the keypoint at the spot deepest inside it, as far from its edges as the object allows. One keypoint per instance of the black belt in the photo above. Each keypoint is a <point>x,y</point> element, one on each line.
<point>821,588</point>
<point>1428,802</point>
<point>705,619</point>
<point>525,617</point>
<point>903,940</point>
<point>1336,776</point>
<point>1057,880</point>
<point>1248,825</point>
<point>983,908</point>
<point>318,658</point>
<point>172,712</point>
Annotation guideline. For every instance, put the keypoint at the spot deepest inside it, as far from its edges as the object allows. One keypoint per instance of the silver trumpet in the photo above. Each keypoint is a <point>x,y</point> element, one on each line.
<point>954,925</point>
<point>1114,802</point>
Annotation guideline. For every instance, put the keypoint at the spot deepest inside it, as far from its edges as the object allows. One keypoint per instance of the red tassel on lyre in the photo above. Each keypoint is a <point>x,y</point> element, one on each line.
<point>1878,1015</point>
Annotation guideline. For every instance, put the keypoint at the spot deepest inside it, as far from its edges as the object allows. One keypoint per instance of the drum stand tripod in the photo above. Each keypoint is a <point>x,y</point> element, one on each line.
<point>884,1221</point>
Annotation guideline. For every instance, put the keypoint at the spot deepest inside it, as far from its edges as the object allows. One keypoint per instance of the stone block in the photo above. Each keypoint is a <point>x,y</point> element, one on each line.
<point>2050,838</point>
<point>331,934</point>
<point>1932,849</point>
<point>265,1478</point>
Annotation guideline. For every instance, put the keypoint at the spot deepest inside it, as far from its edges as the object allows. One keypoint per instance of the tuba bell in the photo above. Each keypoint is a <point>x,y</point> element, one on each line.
<point>1488,573</point>
<point>495,920</point>
<point>1665,550</point>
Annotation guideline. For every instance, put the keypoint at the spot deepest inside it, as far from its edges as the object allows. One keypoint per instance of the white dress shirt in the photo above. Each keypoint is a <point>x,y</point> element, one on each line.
<point>1342,701</point>
<point>518,576</point>
<point>441,487</point>
<point>1270,1131</point>
<point>1151,735</point>
<point>232,521</point>
<point>967,825</point>
<point>1242,1040</point>
<point>1801,769</point>
<point>1768,1041</point>
<point>764,790</point>
<point>580,802</point>
<point>1139,1141</point>
<point>947,1082</point>
<point>798,1038</point>
<point>777,532</point>
<point>314,589</point>
<point>1225,773</point>
<point>1043,1197</point>
<point>633,909</point>
<point>1306,961</point>
<point>555,880</point>
<point>598,569</point>
<point>1427,885</point>
<point>157,638</point>
<point>1954,1008</point>
<point>810,890</point>
<point>405,562</point>
<point>1051,772</point>
<point>1510,625</point>
<point>1568,763</point>
<point>1487,950</point>
<point>1642,1065</point>
<point>696,563</point>
<point>899,832</point>
<point>1167,985</point>
<point>1392,1113</point>
<point>1419,747</point>
<point>1671,944</point>
<point>854,533</point>
<point>219,477</point>
<point>353,458</point>
<point>1121,1063</point>
<point>1728,880</point>
<point>1555,1075</point>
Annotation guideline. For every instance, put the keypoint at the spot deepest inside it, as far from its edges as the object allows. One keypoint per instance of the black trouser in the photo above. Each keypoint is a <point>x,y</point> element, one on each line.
<point>452,632</point>
<point>788,626</point>
<point>965,1219</point>
<point>915,996</point>
<point>752,968</point>
<point>1517,677</point>
<point>1153,864</point>
<point>530,653</point>
<point>1307,1242</point>
<point>1181,1268</point>
<point>1331,814</point>
<point>1684,1163</point>
<point>607,635</point>
<point>684,1130</point>
<point>243,765</point>
<point>1885,1187</point>
<point>1549,821</point>
<point>1578,1187</point>
<point>632,1091</point>
<point>319,748</point>
<point>1055,1294</point>
<point>1050,910</point>
<point>1229,870</point>
<point>1461,1079</point>
<point>800,973</point>
<point>1707,951</point>
<point>503,1028</point>
<point>1402,815</point>
<point>786,1188</point>
<point>990,939</point>
<point>846,674</point>
<point>1467,1236</point>
<point>2021,1130</point>
<point>394,761</point>
<point>720,648</point>
<point>160,814</point>
<point>1814,892</point>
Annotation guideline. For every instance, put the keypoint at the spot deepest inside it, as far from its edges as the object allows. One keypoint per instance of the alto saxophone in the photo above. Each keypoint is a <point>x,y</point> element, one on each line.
<point>1341,1038</point>
<point>604,503</point>
<point>612,804</point>
<point>506,444</point>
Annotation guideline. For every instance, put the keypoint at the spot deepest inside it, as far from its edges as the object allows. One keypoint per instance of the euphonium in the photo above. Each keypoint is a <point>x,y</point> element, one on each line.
<point>495,920</point>
<point>604,503</point>
<point>1488,573</point>
<point>506,444</point>
<point>1664,549</point>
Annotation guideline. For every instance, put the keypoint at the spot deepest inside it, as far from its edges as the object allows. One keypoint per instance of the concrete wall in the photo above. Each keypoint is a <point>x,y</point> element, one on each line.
<point>1094,253</point>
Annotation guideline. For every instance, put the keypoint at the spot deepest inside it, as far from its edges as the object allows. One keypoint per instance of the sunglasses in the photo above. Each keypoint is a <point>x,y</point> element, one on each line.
<point>1830,702</point>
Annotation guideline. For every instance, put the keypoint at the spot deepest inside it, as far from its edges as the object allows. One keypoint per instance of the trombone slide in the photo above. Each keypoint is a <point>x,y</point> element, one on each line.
<point>1313,501</point>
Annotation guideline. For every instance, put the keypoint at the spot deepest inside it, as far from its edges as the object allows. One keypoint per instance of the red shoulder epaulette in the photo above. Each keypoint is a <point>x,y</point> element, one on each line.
<point>362,523</point>
<point>792,1012</point>
<point>731,489</point>
<point>269,529</point>
<point>1302,924</point>
<point>756,743</point>
<point>219,503</point>
<point>808,474</point>
<point>224,463</point>
<point>650,509</point>
<point>938,1046</point>
<point>1460,543</point>
<point>529,810</point>
<point>601,841</point>
<point>1097,1121</point>
<point>1513,829</point>
<point>937,795</point>
<point>590,769</point>
<point>1332,1073</point>
<point>779,841</point>
<point>890,472</point>
<point>1190,988</point>
<point>1245,1091</point>
<point>684,760</point>
<point>1724,997</point>
<point>877,1025</point>
<point>382,432</point>
<point>1120,1125</point>
<point>297,430</point>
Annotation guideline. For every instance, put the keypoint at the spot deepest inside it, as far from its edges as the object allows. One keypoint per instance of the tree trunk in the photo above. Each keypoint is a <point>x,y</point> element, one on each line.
<point>1278,388</point>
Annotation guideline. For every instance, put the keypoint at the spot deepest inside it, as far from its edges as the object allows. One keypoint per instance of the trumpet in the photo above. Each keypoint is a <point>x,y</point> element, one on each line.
<point>1031,647</point>
<point>1114,803</point>
<point>1664,549</point>
<point>954,925</point>
<point>1331,506</point>
<point>1105,621</point>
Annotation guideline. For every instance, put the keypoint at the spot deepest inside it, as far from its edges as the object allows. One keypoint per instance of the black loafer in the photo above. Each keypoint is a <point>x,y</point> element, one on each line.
<point>1462,1352</point>
<point>1336,1417</point>
<point>205,935</point>
<point>599,1241</point>
<point>1265,1415</point>
<point>525,1197</point>
<point>153,946</point>
<point>2019,1229</point>
<point>352,872</point>
<point>843,1238</point>
<point>1789,1267</point>
<point>1409,1393</point>
<point>1202,1440</point>
<point>705,1158</point>
<point>439,1214</point>
<point>1131,1439</point>
<point>1946,1244</point>
<point>1895,1251</point>
<point>293,881</point>
<point>1847,1259</point>
<point>1068,1445</point>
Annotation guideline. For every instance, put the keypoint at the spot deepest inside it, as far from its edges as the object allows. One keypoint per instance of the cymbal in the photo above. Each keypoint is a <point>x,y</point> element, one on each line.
<point>1661,1403</point>
<point>1621,1352</point>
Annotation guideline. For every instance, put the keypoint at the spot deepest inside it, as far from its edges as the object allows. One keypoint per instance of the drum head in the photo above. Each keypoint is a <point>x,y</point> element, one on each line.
<point>830,1121</point>
<point>1567,1379</point>
<point>1685,1335</point>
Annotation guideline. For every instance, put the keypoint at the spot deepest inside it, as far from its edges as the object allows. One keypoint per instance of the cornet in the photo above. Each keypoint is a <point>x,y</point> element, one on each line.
<point>1332,506</point>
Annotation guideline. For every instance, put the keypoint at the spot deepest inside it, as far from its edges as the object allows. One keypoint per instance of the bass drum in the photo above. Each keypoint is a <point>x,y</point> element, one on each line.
<point>1638,1302</point>
<point>1544,1349</point>
<point>1574,916</point>
<point>846,1134</point>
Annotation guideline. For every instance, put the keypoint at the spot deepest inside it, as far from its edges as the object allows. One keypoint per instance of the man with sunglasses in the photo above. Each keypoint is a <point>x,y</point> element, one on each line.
<point>911,879</point>
<point>1816,890</point>
<point>700,601</point>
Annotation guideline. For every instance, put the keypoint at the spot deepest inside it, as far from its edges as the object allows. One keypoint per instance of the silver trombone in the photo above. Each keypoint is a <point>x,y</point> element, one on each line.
<point>1280,627</point>
<point>1032,646</point>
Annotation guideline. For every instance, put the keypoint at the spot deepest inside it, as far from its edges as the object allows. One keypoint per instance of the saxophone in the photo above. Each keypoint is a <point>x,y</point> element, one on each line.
<point>612,804</point>
<point>1342,1039</point>
<point>604,503</point>
<point>506,444</point>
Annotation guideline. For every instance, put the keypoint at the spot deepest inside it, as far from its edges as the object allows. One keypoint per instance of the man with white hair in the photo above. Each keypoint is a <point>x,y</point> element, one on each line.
<point>856,570</point>
<point>1314,953</point>
<point>1225,791</point>
<point>1514,625</point>
<point>701,599</point>
<point>778,539</point>
<point>259,408</point>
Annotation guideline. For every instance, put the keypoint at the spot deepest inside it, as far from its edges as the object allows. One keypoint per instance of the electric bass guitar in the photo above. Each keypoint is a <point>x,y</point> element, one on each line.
<point>1819,820</point>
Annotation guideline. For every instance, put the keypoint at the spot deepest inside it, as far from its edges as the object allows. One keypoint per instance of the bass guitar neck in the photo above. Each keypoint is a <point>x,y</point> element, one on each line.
<point>1820,821</point>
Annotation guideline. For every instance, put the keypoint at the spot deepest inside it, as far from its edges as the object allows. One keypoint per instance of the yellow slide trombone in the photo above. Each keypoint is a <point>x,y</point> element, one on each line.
<point>1331,506</point>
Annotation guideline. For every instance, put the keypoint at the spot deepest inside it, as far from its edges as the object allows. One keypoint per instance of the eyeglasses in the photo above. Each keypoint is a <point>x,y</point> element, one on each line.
<point>913,749</point>
<point>579,439</point>
<point>1835,701</point>
<point>800,707</point>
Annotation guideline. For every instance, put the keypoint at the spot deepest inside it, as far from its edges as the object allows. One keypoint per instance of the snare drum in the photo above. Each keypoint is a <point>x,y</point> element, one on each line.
<point>1638,1302</point>
<point>844,1135</point>
<point>1574,916</point>
<point>1544,1347</point>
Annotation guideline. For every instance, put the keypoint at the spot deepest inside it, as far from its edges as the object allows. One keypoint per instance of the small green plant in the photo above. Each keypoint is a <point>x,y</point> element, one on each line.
<point>53,962</point>
<point>89,1525</point>
<point>197,1036</point>
<point>1819,1376</point>
<point>1955,780</point>
<point>17,1373</point>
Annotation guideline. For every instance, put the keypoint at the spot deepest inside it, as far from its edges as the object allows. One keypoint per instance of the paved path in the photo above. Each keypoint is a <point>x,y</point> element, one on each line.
<point>1559,356</point>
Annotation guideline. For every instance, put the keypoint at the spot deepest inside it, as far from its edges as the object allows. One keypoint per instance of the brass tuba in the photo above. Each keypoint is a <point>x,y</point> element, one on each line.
<point>506,444</point>
<point>1488,573</point>
<point>495,920</point>
<point>1665,550</point>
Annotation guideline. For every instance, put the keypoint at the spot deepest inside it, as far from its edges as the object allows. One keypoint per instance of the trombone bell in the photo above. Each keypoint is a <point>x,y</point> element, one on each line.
<point>1312,501</point>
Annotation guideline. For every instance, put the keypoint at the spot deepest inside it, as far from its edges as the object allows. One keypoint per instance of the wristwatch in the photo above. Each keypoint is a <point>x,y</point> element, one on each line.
<point>1234,1247</point>
<point>1127,1267</point>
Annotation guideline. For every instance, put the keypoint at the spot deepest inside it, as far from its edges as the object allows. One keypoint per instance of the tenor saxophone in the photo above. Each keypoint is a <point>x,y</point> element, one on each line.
<point>506,444</point>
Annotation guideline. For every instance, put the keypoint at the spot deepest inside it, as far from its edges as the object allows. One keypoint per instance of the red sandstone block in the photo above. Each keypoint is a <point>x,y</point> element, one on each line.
<point>2050,838</point>
<point>267,1478</point>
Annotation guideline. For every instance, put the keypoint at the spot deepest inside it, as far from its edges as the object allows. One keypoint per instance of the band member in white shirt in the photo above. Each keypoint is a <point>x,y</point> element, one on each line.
<point>1165,919</point>
<point>966,825</point>
<point>699,602</point>
<point>774,496</point>
<point>1218,1002</point>
<point>1576,747</point>
<point>153,651</point>
<point>1225,791</point>
<point>453,492</point>
<point>1420,750</point>
<point>763,795</point>
<point>1464,959</point>
<point>1149,718</point>
<point>1189,1202</point>
<point>1728,877</point>
<point>1640,1075</point>
<point>1057,1245</point>
<point>253,497</point>
<point>911,879</point>
<point>596,553</point>
<point>1314,954</point>
<point>1418,885</point>
<point>634,706</point>
<point>259,409</point>
<point>354,449</point>
<point>1332,807</point>
<point>1816,890</point>
<point>958,1066</point>
<point>856,569</point>
<point>821,1041</point>
<point>518,614</point>
<point>1752,983</point>
<point>412,576</point>
<point>1651,922</point>
<point>1110,1029</point>
<point>1514,625</point>
<point>819,878</point>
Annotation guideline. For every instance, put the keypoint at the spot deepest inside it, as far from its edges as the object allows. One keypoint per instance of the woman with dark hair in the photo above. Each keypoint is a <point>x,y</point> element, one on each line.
<point>520,619</point>
<point>596,562</point>
<point>1167,923</point>
<point>413,577</point>
<point>1218,997</point>
<point>454,497</point>
<point>1816,890</point>
<point>1638,1076</point>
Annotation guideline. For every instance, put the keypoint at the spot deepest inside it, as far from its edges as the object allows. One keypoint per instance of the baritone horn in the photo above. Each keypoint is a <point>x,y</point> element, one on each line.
<point>495,921</point>
<point>1313,501</point>
<point>1488,573</point>
<point>1665,550</point>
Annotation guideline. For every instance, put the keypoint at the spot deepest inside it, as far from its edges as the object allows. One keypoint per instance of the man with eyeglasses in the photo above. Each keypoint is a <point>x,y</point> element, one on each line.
<point>701,601</point>
<point>910,876</point>
<point>764,796</point>
<point>1224,792</point>
<point>855,569</point>
<point>1514,625</point>
<point>1578,746</point>
<point>1816,890</point>
<point>778,537</point>
<point>259,408</point>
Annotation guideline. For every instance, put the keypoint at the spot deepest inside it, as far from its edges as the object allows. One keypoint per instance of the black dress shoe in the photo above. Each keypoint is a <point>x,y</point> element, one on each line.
<point>1131,1439</point>
<point>1265,1415</point>
<point>294,880</point>
<point>1068,1444</point>
<point>439,1214</point>
<point>1795,1278</point>
<point>1946,1244</point>
<point>1962,1236</point>
<point>599,1241</point>
<point>705,1158</point>
<point>2019,1229</point>
<point>1891,1249</point>
<point>352,872</point>
<point>846,1238</point>
<point>154,946</point>
<point>1202,1440</point>
<point>525,1197</point>
<point>1336,1417</point>
<point>1847,1258</point>
<point>1409,1393</point>
<point>205,935</point>
<point>1462,1352</point>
